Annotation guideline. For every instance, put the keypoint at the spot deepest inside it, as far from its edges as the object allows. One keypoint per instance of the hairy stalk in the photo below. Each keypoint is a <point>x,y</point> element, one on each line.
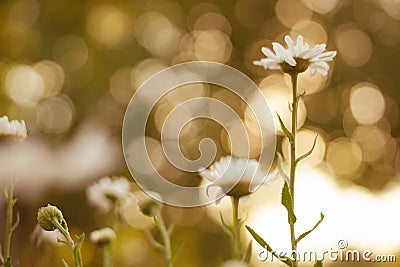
<point>236,229</point>
<point>165,236</point>
<point>293,164</point>
<point>75,250</point>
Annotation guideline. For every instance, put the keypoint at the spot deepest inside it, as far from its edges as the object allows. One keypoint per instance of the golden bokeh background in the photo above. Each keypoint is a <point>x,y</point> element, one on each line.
<point>69,69</point>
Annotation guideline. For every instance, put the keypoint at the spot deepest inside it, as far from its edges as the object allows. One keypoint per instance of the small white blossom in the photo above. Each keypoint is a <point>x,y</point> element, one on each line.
<point>102,236</point>
<point>239,175</point>
<point>12,128</point>
<point>296,57</point>
<point>107,191</point>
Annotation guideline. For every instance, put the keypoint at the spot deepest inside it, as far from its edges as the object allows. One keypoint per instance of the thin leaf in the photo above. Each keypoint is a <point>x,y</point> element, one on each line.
<point>305,155</point>
<point>300,96</point>
<point>281,170</point>
<point>77,250</point>
<point>15,225</point>
<point>154,242</point>
<point>59,240</point>
<point>175,253</point>
<point>312,229</point>
<point>247,254</point>
<point>225,227</point>
<point>80,240</point>
<point>285,130</point>
<point>286,201</point>
<point>286,260</point>
<point>318,264</point>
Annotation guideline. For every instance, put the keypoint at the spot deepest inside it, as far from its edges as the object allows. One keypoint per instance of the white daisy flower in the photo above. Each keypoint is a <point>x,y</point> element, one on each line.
<point>236,176</point>
<point>105,193</point>
<point>12,128</point>
<point>296,58</point>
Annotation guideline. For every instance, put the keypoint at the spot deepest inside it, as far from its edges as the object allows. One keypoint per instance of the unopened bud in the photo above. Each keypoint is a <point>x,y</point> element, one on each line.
<point>48,215</point>
<point>148,206</point>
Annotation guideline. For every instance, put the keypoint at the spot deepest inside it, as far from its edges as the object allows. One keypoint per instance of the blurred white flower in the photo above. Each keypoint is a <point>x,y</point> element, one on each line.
<point>238,176</point>
<point>102,236</point>
<point>296,57</point>
<point>106,192</point>
<point>38,165</point>
<point>130,211</point>
<point>12,128</point>
<point>40,236</point>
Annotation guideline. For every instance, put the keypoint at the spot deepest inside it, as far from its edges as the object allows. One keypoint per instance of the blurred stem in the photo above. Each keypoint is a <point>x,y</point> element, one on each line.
<point>75,249</point>
<point>236,228</point>
<point>106,254</point>
<point>295,100</point>
<point>165,236</point>
<point>10,227</point>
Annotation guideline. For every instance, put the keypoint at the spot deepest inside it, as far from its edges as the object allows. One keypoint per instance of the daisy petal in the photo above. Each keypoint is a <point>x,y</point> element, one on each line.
<point>323,72</point>
<point>315,51</point>
<point>258,63</point>
<point>290,45</point>
<point>321,65</point>
<point>279,50</point>
<point>299,45</point>
<point>312,70</point>
<point>290,61</point>
<point>274,67</point>
<point>266,51</point>
<point>327,56</point>
<point>219,195</point>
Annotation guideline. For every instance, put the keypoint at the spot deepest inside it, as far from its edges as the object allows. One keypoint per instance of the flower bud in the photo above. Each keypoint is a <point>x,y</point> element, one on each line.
<point>148,206</point>
<point>102,236</point>
<point>48,215</point>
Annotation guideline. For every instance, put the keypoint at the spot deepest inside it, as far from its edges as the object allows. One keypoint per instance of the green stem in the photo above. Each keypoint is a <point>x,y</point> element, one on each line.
<point>236,228</point>
<point>106,254</point>
<point>75,249</point>
<point>293,161</point>
<point>165,236</point>
<point>9,222</point>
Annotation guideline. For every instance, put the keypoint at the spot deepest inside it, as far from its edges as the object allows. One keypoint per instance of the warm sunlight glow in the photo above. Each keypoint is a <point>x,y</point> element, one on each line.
<point>364,220</point>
